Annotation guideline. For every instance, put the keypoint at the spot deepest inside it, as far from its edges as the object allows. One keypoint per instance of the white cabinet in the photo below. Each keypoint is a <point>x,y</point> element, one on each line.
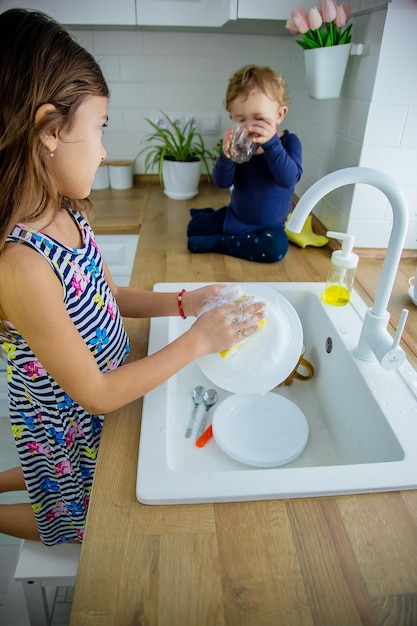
<point>77,12</point>
<point>270,9</point>
<point>209,13</point>
<point>119,253</point>
<point>165,13</point>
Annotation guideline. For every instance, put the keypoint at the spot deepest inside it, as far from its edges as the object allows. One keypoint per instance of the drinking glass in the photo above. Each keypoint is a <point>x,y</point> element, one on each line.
<point>242,147</point>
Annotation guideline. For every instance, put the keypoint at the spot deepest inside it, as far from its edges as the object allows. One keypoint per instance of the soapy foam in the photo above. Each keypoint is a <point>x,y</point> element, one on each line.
<point>225,354</point>
<point>229,294</point>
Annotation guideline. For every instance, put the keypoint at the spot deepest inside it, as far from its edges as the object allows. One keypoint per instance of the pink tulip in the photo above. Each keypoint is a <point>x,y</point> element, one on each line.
<point>297,12</point>
<point>301,24</point>
<point>346,8</point>
<point>340,16</point>
<point>328,10</point>
<point>291,27</point>
<point>314,19</point>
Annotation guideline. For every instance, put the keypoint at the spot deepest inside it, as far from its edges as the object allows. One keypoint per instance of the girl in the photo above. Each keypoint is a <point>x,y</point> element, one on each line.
<point>60,312</point>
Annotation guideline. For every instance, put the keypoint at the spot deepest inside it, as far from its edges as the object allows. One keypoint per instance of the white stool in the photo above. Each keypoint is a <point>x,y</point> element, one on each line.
<point>38,567</point>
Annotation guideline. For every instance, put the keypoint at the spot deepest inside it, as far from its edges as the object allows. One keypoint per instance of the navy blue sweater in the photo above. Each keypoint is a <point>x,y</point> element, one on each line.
<point>263,187</point>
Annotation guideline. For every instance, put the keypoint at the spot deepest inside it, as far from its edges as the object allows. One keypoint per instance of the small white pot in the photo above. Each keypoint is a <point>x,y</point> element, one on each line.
<point>121,174</point>
<point>325,70</point>
<point>101,180</point>
<point>181,179</point>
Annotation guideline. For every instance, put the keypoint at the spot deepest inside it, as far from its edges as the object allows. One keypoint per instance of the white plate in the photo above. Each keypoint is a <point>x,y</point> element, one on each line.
<point>267,357</point>
<point>264,431</point>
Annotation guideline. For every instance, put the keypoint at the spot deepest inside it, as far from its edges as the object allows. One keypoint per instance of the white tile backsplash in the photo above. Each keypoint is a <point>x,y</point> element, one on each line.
<point>395,80</point>
<point>370,204</point>
<point>409,138</point>
<point>110,66</point>
<point>118,42</point>
<point>148,69</point>
<point>196,70</point>
<point>373,123</point>
<point>385,125</point>
<point>399,163</point>
<point>168,44</point>
<point>379,230</point>
<point>123,93</point>
<point>404,22</point>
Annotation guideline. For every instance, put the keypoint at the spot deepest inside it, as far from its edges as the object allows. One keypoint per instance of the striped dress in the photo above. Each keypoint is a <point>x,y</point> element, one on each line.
<point>57,440</point>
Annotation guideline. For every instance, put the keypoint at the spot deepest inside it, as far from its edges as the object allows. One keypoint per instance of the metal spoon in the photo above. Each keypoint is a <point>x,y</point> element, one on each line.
<point>209,398</point>
<point>197,393</point>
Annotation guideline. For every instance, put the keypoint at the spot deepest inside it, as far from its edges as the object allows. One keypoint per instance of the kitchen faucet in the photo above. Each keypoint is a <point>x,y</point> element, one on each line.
<point>374,338</point>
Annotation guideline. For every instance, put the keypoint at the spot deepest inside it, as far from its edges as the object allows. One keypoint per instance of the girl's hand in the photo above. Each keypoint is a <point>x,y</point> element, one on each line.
<point>222,327</point>
<point>194,300</point>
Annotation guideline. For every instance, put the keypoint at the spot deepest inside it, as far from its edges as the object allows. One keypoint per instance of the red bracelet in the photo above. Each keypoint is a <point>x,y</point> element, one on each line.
<point>180,307</point>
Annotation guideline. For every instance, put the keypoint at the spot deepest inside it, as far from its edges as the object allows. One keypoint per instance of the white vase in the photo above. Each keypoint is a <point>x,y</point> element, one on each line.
<point>102,180</point>
<point>325,70</point>
<point>121,174</point>
<point>181,179</point>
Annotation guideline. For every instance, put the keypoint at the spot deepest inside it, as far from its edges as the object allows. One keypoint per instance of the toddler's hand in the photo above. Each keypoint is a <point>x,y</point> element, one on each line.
<point>227,138</point>
<point>262,131</point>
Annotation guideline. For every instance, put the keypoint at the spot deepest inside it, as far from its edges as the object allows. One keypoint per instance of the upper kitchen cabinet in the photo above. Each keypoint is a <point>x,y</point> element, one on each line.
<point>80,12</point>
<point>270,9</point>
<point>207,13</point>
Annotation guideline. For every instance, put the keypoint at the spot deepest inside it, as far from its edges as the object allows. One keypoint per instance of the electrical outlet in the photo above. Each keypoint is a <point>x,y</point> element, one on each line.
<point>206,123</point>
<point>210,125</point>
<point>179,119</point>
<point>159,120</point>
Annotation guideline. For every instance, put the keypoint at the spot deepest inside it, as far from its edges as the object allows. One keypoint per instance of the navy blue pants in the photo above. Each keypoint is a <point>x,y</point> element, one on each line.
<point>205,234</point>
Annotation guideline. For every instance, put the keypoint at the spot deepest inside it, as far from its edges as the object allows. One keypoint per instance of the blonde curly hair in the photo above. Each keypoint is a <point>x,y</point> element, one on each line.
<point>257,77</point>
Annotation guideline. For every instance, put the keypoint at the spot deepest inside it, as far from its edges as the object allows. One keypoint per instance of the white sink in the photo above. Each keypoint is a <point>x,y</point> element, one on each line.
<point>362,419</point>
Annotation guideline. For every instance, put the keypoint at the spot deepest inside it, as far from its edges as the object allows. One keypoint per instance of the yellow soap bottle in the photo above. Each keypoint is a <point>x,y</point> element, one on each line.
<point>342,271</point>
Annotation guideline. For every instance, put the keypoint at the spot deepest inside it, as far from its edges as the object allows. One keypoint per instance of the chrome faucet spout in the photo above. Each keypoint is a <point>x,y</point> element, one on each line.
<point>374,336</point>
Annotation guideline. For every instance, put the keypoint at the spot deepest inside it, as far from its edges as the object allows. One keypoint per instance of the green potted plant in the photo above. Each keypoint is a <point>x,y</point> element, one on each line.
<point>177,153</point>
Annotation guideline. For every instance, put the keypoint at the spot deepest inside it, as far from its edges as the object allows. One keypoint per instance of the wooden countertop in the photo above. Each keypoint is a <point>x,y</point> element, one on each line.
<point>335,561</point>
<point>119,211</point>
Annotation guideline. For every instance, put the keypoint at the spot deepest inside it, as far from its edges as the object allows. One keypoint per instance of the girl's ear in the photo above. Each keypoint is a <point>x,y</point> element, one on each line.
<point>49,139</point>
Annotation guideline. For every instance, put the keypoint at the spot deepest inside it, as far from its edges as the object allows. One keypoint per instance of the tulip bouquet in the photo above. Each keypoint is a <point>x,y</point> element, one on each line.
<point>321,26</point>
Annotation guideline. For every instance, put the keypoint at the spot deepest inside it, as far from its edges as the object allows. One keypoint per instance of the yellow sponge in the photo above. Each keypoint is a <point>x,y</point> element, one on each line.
<point>307,237</point>
<point>225,354</point>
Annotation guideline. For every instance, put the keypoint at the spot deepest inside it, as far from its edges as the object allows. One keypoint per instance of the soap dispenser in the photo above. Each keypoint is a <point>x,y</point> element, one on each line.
<point>342,271</point>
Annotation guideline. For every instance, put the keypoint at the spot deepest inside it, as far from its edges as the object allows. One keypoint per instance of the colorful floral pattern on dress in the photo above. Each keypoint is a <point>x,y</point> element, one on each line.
<point>57,440</point>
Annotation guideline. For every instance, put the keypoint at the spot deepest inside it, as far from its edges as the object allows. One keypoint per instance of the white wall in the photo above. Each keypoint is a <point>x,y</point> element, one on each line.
<point>187,72</point>
<point>177,72</point>
<point>332,131</point>
<point>390,140</point>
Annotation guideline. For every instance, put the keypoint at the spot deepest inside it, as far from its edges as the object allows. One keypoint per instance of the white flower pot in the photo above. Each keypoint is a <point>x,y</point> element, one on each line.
<point>181,179</point>
<point>121,174</point>
<point>325,70</point>
<point>102,180</point>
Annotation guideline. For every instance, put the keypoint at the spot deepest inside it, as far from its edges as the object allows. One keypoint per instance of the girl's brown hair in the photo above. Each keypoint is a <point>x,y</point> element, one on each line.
<point>39,63</point>
<point>257,77</point>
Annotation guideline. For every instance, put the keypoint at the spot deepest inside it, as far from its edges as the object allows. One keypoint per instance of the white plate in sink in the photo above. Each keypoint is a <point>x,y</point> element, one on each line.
<point>266,358</point>
<point>263,431</point>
